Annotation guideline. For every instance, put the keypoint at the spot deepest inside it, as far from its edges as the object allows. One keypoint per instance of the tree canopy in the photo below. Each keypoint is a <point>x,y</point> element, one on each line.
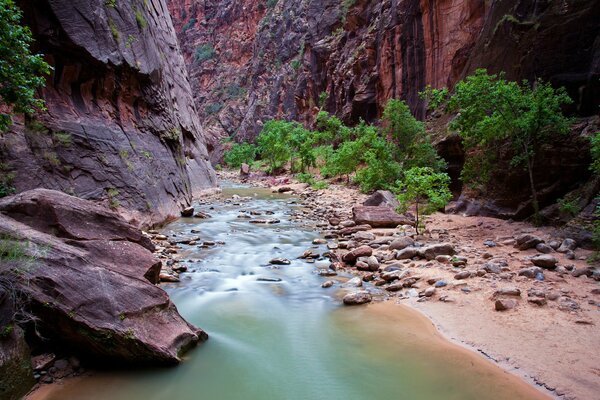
<point>21,72</point>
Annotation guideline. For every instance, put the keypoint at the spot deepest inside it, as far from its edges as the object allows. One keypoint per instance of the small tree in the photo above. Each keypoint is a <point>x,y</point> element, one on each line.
<point>301,143</point>
<point>426,190</point>
<point>20,71</point>
<point>239,154</point>
<point>274,143</point>
<point>493,110</point>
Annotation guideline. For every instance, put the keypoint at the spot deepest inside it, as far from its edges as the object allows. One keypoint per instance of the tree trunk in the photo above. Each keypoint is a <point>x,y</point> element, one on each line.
<point>534,196</point>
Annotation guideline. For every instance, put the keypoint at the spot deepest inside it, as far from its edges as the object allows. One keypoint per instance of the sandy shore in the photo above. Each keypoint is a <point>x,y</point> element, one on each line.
<point>555,346</point>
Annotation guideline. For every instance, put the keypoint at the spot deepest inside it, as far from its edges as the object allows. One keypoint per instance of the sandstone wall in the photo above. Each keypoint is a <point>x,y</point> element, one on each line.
<point>121,125</point>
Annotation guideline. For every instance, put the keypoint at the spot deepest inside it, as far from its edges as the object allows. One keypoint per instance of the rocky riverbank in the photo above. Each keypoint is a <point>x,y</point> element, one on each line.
<point>522,296</point>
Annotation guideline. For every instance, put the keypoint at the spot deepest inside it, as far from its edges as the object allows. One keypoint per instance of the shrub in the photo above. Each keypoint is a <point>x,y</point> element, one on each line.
<point>204,53</point>
<point>425,189</point>
<point>6,180</point>
<point>305,177</point>
<point>189,25</point>
<point>239,154</point>
<point>140,19</point>
<point>595,151</point>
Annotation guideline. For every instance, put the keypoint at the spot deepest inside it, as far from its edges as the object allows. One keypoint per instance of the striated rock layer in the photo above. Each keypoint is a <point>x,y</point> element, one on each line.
<point>250,61</point>
<point>121,125</point>
<point>91,280</point>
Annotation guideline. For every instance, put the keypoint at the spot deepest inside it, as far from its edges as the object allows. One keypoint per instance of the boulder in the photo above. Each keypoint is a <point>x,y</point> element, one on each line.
<point>357,298</point>
<point>401,243</point>
<point>362,251</point>
<point>244,170</point>
<point>16,375</point>
<point>379,217</point>
<point>432,251</point>
<point>407,253</point>
<point>92,285</point>
<point>527,241</point>
<point>566,245</point>
<point>544,261</point>
<point>353,229</point>
<point>505,304</point>
<point>187,212</point>
<point>382,198</point>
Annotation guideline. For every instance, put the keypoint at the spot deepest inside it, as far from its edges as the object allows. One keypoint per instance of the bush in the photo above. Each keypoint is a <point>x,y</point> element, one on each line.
<point>424,188</point>
<point>239,154</point>
<point>204,53</point>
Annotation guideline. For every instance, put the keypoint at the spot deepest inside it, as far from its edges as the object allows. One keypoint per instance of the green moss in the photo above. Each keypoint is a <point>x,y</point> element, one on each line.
<point>114,30</point>
<point>110,3</point>
<point>63,138</point>
<point>140,19</point>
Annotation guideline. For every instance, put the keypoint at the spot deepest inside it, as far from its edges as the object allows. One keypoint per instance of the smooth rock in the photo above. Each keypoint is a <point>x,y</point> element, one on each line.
<point>527,241</point>
<point>432,251</point>
<point>544,261</point>
<point>505,304</point>
<point>357,298</point>
<point>566,245</point>
<point>379,217</point>
<point>362,251</point>
<point>187,212</point>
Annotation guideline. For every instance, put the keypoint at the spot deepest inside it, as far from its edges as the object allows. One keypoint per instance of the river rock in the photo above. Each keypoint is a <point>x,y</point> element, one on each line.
<point>566,245</point>
<point>280,261</point>
<point>363,236</point>
<point>407,253</point>
<point>430,291</point>
<point>462,275</point>
<point>327,284</point>
<point>505,304</point>
<point>402,243</point>
<point>187,212</point>
<point>94,268</point>
<point>530,272</point>
<point>544,248</point>
<point>357,298</point>
<point>508,291</point>
<point>244,170</point>
<point>354,282</point>
<point>544,261</point>
<point>362,251</point>
<point>379,217</point>
<point>432,251</point>
<point>527,241</point>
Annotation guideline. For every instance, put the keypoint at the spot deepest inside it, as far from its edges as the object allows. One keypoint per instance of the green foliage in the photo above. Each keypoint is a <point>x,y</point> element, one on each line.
<point>323,96</point>
<point>213,108</point>
<point>140,19</point>
<point>595,150</point>
<point>12,249</point>
<point>296,64</point>
<point>204,53</point>
<point>319,185</point>
<point>239,154</point>
<point>114,30</point>
<point>6,180</point>
<point>273,143</point>
<point>434,97</point>
<point>345,160</point>
<point>63,138</point>
<point>301,143</point>
<point>110,3</point>
<point>130,40</point>
<point>569,205</point>
<point>492,110</point>
<point>112,194</point>
<point>189,25</point>
<point>305,177</point>
<point>424,188</point>
<point>330,129</point>
<point>21,73</point>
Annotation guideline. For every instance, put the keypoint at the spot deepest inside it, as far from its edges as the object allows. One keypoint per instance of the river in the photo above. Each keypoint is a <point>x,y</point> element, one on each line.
<point>287,338</point>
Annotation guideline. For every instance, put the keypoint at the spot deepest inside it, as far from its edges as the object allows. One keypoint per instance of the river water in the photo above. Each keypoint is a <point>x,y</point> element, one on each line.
<point>287,338</point>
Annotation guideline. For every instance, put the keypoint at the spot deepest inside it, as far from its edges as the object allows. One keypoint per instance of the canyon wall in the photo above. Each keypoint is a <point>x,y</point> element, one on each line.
<point>121,125</point>
<point>250,61</point>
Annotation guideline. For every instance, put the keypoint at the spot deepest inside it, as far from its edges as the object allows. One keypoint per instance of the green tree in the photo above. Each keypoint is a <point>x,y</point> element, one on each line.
<point>301,143</point>
<point>424,188</point>
<point>239,154</point>
<point>413,145</point>
<point>595,150</point>
<point>492,110</point>
<point>273,143</point>
<point>21,73</point>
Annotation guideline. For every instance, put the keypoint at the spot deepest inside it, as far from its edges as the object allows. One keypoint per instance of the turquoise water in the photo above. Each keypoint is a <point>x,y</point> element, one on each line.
<point>290,339</point>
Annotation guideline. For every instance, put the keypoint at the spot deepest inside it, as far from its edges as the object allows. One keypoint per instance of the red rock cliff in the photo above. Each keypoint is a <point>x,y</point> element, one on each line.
<point>274,58</point>
<point>121,124</point>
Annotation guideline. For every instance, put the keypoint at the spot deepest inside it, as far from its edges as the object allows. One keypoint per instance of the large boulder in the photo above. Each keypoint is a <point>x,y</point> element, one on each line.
<point>379,217</point>
<point>91,282</point>
<point>16,375</point>
<point>382,198</point>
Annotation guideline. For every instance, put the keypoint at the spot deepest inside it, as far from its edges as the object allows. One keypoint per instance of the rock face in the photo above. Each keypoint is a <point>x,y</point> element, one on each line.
<point>92,282</point>
<point>121,124</point>
<point>250,62</point>
<point>15,365</point>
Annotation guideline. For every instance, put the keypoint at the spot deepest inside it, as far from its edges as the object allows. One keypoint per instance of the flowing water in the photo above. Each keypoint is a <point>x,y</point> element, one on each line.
<point>289,339</point>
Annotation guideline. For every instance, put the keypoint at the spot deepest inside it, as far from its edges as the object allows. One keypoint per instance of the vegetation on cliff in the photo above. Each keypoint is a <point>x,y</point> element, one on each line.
<point>21,72</point>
